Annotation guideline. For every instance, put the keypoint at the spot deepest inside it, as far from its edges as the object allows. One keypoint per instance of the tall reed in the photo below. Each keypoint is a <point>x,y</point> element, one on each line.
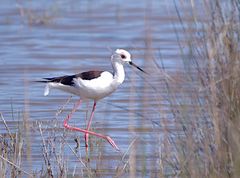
<point>209,145</point>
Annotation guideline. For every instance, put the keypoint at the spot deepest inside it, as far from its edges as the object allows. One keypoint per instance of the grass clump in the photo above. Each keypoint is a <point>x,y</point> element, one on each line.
<point>209,144</point>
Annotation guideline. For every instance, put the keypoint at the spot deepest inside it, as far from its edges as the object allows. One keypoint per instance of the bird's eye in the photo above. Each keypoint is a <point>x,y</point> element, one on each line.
<point>123,56</point>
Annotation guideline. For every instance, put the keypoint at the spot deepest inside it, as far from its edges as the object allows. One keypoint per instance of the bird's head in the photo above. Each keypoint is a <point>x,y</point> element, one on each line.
<point>123,57</point>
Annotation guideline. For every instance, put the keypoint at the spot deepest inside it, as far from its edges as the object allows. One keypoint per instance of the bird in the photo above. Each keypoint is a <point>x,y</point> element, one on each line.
<point>94,85</point>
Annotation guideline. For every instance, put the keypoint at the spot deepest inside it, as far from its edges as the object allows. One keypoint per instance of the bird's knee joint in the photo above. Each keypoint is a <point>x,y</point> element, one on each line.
<point>65,124</point>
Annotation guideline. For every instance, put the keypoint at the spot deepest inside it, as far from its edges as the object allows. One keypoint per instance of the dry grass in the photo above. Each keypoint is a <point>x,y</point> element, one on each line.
<point>209,143</point>
<point>11,149</point>
<point>55,150</point>
<point>37,17</point>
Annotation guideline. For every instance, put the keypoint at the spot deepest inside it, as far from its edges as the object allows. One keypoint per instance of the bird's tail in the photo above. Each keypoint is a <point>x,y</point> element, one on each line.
<point>47,87</point>
<point>46,90</point>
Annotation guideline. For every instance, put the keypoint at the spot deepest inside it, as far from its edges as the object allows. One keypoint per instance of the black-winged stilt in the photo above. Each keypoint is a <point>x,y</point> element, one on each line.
<point>93,85</point>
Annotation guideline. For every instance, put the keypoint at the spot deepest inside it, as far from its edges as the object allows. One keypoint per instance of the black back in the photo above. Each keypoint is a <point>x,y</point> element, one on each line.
<point>68,79</point>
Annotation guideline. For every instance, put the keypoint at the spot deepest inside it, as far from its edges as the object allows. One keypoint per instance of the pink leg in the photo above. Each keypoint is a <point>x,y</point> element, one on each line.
<point>65,124</point>
<point>89,123</point>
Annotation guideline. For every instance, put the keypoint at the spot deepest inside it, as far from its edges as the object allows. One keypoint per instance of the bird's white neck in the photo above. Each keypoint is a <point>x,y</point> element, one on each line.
<point>119,73</point>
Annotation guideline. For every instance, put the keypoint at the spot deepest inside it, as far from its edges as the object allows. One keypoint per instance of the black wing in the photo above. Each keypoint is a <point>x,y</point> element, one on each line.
<point>69,79</point>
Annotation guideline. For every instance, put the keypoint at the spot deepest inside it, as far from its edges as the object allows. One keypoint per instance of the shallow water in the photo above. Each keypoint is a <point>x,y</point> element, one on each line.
<point>53,38</point>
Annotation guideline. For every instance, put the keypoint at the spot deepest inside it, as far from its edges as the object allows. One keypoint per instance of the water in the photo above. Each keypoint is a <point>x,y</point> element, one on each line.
<point>53,38</point>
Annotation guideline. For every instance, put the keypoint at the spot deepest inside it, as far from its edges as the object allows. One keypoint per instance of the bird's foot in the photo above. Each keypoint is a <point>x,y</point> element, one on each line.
<point>112,143</point>
<point>86,140</point>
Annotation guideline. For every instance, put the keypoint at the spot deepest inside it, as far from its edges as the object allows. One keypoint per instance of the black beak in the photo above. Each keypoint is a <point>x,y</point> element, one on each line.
<point>134,65</point>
